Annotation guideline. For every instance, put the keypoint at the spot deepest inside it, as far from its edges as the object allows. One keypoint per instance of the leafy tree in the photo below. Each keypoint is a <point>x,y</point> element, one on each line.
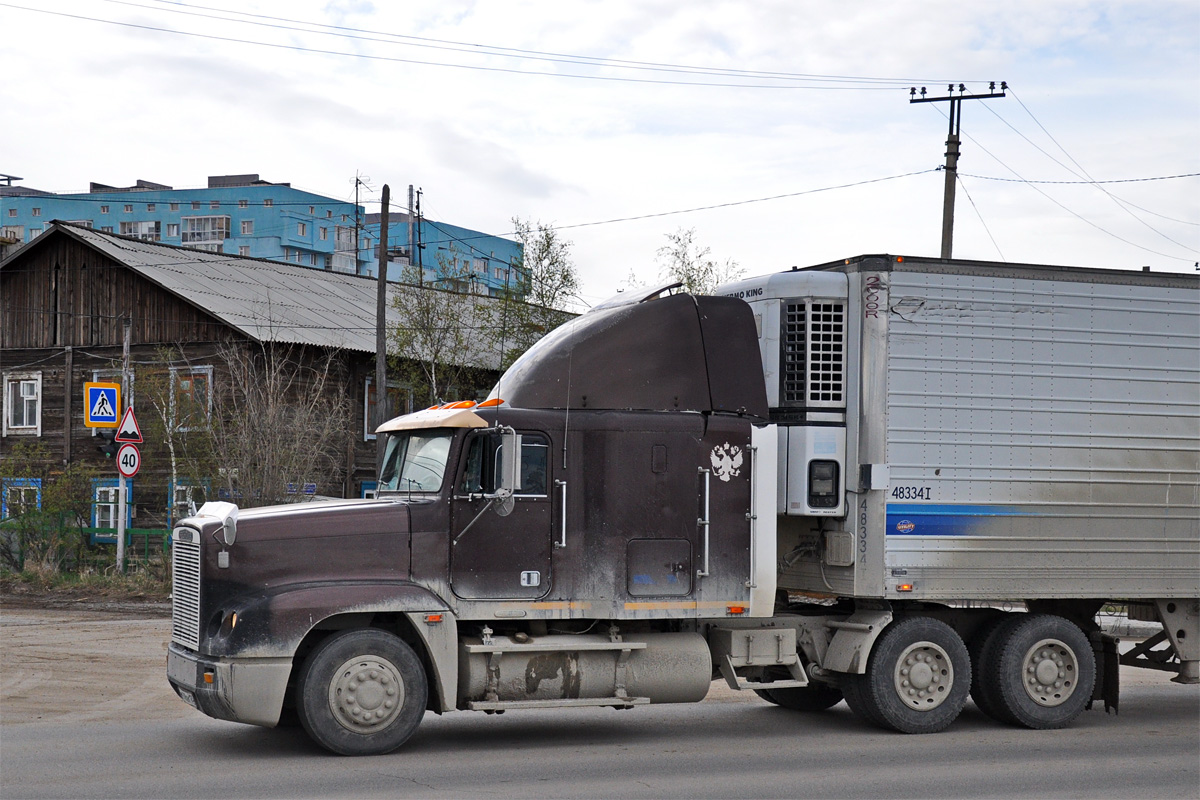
<point>441,332</point>
<point>544,283</point>
<point>682,259</point>
<point>44,538</point>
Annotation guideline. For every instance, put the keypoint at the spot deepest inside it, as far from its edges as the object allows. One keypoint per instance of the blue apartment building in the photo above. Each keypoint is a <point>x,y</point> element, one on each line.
<point>243,215</point>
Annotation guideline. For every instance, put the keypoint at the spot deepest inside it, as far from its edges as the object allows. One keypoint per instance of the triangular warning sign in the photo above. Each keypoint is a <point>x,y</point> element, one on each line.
<point>128,431</point>
<point>103,407</point>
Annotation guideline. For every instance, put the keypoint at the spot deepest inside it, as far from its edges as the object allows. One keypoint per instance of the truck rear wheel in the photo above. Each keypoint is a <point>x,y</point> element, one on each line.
<point>361,692</point>
<point>1041,673</point>
<point>917,678</point>
<point>984,649</point>
<point>816,697</point>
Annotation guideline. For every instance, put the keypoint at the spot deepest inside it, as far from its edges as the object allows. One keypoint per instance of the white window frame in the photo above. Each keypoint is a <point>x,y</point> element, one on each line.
<point>268,202</point>
<point>247,227</point>
<point>17,379</point>
<point>173,229</point>
<point>216,229</point>
<point>150,206</point>
<point>324,234</point>
<point>103,209</point>
<point>128,208</point>
<point>35,212</point>
<point>21,487</point>
<point>243,203</point>
<point>244,250</point>
<point>302,229</point>
<point>214,204</point>
<point>174,206</point>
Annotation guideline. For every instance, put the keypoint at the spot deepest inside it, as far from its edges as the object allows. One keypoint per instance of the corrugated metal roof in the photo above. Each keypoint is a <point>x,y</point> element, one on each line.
<point>268,300</point>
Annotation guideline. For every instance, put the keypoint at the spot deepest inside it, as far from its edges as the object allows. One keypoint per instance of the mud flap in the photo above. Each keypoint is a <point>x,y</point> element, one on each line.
<point>1108,672</point>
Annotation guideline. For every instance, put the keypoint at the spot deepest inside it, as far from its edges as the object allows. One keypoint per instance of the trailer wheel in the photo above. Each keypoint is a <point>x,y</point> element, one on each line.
<point>816,697</point>
<point>361,692</point>
<point>1042,672</point>
<point>917,679</point>
<point>983,649</point>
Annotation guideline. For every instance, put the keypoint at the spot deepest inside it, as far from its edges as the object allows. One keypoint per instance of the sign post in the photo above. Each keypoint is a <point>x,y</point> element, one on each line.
<point>129,461</point>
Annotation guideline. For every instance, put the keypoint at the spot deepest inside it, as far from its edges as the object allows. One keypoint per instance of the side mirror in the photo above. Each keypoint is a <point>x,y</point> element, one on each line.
<point>509,478</point>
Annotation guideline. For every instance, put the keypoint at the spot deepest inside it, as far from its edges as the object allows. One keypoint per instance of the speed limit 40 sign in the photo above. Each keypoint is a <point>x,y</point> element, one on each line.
<point>129,458</point>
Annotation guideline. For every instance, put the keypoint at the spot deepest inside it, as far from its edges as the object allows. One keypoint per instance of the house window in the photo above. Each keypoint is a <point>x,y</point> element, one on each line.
<point>128,208</point>
<point>105,501</point>
<point>329,213</point>
<point>214,203</point>
<point>205,229</point>
<point>191,400</point>
<point>345,217</point>
<point>103,209</point>
<point>301,229</point>
<point>195,205</point>
<point>243,203</point>
<point>106,228</point>
<point>312,259</point>
<point>149,206</point>
<point>268,203</point>
<point>243,249</point>
<point>185,499</point>
<point>399,401</point>
<point>18,495</point>
<point>324,234</point>
<point>149,231</point>
<point>312,210</point>
<point>174,206</point>
<point>13,232</point>
<point>247,227</point>
<point>35,212</point>
<point>23,403</point>
<point>173,229</point>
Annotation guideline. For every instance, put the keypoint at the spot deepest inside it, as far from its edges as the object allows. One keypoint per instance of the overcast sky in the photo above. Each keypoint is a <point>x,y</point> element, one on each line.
<point>505,108</point>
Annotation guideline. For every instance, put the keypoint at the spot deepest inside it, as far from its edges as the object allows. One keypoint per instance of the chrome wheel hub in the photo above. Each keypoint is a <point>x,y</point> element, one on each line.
<point>1049,672</point>
<point>366,694</point>
<point>924,676</point>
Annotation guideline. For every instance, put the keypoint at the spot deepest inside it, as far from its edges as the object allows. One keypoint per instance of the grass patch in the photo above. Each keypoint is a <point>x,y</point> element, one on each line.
<point>146,581</point>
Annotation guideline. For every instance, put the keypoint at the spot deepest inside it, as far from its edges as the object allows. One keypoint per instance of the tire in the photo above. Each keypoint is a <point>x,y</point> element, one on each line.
<point>358,674</point>
<point>984,649</point>
<point>765,694</point>
<point>918,677</point>
<point>1043,671</point>
<point>815,697</point>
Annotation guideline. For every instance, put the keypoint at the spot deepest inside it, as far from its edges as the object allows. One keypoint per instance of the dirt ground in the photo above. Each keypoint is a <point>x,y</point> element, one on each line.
<point>72,660</point>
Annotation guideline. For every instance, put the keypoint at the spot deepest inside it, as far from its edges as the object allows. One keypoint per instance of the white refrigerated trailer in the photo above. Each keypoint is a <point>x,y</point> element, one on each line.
<point>1003,448</point>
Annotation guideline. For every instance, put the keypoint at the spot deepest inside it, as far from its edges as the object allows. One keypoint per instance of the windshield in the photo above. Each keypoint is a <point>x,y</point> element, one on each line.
<point>415,461</point>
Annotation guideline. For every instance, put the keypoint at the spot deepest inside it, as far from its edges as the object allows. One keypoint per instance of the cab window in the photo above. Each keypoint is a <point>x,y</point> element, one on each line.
<point>483,464</point>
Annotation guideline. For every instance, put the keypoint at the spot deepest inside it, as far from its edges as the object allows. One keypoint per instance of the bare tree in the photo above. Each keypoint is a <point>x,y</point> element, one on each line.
<point>280,419</point>
<point>684,260</point>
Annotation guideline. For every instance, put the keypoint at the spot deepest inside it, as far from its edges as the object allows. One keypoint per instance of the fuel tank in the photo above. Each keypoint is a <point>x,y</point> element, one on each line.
<point>666,667</point>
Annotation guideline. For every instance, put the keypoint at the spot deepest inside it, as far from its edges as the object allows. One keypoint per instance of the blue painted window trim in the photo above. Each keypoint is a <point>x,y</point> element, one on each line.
<point>5,483</point>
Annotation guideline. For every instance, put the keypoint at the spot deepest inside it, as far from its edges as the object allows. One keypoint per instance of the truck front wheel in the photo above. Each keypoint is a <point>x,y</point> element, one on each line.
<point>361,692</point>
<point>917,679</point>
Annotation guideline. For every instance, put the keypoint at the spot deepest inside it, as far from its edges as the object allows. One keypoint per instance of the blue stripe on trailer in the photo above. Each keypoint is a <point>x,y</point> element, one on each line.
<point>918,519</point>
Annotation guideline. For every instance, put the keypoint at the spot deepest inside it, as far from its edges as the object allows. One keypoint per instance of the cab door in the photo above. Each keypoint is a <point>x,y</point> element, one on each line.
<point>497,553</point>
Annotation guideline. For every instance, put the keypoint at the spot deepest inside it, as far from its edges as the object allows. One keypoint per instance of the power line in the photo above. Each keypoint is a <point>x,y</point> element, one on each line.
<point>982,221</point>
<point>396,59</point>
<point>521,53</point>
<point>1085,182</point>
<point>1078,216</point>
<point>1107,193</point>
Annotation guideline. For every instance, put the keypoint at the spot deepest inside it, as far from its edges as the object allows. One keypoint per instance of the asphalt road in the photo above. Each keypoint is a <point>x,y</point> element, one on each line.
<point>76,723</point>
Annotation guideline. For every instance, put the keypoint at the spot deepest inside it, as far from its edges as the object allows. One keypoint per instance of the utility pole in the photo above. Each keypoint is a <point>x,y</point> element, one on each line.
<point>412,259</point>
<point>952,142</point>
<point>122,489</point>
<point>381,328</point>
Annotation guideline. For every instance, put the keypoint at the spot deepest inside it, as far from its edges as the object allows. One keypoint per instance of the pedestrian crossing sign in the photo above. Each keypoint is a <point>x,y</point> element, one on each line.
<point>101,404</point>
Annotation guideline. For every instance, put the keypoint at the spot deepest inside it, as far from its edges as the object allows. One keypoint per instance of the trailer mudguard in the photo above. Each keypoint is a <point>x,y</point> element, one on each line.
<point>853,639</point>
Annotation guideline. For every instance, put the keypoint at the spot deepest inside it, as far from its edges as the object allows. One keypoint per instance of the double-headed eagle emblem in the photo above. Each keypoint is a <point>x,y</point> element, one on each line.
<point>726,461</point>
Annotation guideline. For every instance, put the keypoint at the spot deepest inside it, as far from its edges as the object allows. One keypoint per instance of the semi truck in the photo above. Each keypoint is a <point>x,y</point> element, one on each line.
<point>899,482</point>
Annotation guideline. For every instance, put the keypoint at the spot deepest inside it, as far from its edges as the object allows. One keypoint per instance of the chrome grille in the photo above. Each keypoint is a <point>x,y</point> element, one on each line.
<point>185,588</point>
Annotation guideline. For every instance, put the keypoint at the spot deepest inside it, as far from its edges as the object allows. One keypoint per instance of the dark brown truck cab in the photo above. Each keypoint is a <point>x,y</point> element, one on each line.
<point>576,574</point>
